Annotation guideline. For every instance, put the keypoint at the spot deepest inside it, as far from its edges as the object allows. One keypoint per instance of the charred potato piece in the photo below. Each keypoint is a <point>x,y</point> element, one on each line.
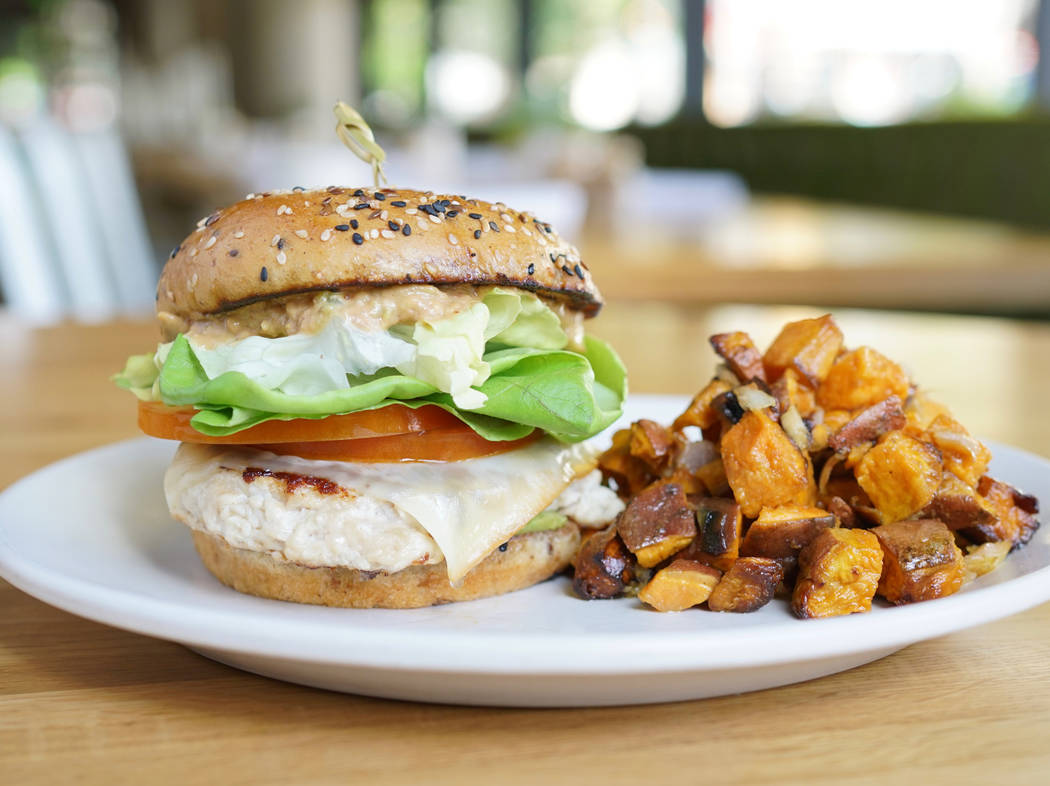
<point>841,510</point>
<point>630,473</point>
<point>901,475</point>
<point>740,354</point>
<point>747,586</point>
<point>860,379</point>
<point>657,523</point>
<point>604,566</point>
<point>720,524</point>
<point>1015,514</point>
<point>651,443</point>
<point>963,455</point>
<point>784,531</point>
<point>958,506</point>
<point>920,561</point>
<point>793,390</point>
<point>699,412</point>
<point>838,574</point>
<point>809,346</point>
<point>764,467</point>
<point>681,585</point>
<point>868,425</point>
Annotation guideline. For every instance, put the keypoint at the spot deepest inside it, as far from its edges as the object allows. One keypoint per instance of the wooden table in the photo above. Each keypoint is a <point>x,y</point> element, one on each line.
<point>87,703</point>
<point>795,250</point>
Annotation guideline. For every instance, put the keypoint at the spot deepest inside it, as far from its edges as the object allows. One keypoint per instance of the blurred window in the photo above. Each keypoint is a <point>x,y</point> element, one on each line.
<point>393,59</point>
<point>867,62</point>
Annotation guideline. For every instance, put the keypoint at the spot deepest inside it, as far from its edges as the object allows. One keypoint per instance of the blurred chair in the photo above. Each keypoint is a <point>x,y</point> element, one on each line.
<point>74,242</point>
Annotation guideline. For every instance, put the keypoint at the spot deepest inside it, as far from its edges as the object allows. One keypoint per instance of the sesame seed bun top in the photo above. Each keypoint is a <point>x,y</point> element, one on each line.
<point>275,244</point>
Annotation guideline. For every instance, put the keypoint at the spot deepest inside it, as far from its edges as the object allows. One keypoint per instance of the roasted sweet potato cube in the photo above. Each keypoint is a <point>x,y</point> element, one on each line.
<point>764,467</point>
<point>861,378</point>
<point>651,443</point>
<point>794,390</point>
<point>921,410</point>
<point>1015,514</point>
<point>699,412</point>
<point>747,586</point>
<point>604,566</point>
<point>809,346</point>
<point>722,563</point>
<point>901,475</point>
<point>963,455</point>
<point>630,473</point>
<point>740,354</point>
<point>681,585</point>
<point>958,505</point>
<point>841,510</point>
<point>868,425</point>
<point>657,523</point>
<point>784,531</point>
<point>985,557</point>
<point>838,573</point>
<point>719,524</point>
<point>713,474</point>
<point>920,561</point>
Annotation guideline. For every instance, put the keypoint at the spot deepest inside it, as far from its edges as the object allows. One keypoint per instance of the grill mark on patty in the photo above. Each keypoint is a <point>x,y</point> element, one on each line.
<point>293,480</point>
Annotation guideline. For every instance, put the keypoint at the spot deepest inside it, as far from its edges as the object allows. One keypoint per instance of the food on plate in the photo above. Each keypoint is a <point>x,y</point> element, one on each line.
<point>382,396</point>
<point>812,471</point>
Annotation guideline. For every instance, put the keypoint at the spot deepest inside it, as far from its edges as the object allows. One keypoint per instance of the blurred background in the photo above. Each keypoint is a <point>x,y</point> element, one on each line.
<point>890,153</point>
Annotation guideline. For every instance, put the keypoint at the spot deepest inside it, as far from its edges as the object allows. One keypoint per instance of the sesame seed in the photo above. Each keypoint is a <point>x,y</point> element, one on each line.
<point>398,203</point>
<point>360,206</point>
<point>411,211</point>
<point>284,210</point>
<point>406,230</point>
<point>193,280</point>
<point>238,234</point>
<point>306,203</point>
<point>281,257</point>
<point>175,251</point>
<point>342,209</point>
<point>477,234</point>
<point>234,252</point>
<point>452,214</point>
<point>422,224</point>
<point>526,231</point>
<point>193,252</point>
<point>211,219</point>
<point>379,195</point>
<point>383,216</point>
<point>276,240</point>
<point>353,223</point>
<point>493,227</point>
<point>579,272</point>
<point>298,188</point>
<point>373,234</point>
<point>509,228</point>
<point>506,218</point>
<point>387,234</point>
<point>394,226</point>
<point>211,242</point>
<point>302,233</point>
<point>263,275</point>
<point>356,237</point>
<point>435,219</point>
<point>325,235</point>
<point>474,215</point>
<point>250,196</point>
<point>359,193</point>
<point>565,270</point>
<point>531,269</point>
<point>342,227</point>
<point>375,214</point>
<point>280,244</point>
<point>453,240</point>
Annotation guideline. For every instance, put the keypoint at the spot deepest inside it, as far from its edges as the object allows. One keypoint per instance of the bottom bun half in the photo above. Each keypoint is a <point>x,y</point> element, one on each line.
<point>528,559</point>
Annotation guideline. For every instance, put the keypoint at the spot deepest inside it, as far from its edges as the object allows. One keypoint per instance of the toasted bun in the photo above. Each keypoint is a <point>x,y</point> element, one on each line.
<point>276,244</point>
<point>527,560</point>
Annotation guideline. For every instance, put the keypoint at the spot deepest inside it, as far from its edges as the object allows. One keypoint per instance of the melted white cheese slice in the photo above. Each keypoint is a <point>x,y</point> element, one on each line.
<point>468,507</point>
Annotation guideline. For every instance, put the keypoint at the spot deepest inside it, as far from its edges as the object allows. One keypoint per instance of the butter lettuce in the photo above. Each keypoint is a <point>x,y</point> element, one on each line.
<point>500,366</point>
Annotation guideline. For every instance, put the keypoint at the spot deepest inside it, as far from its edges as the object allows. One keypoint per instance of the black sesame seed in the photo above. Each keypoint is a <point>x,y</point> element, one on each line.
<point>234,252</point>
<point>175,251</point>
<point>280,243</point>
<point>452,214</point>
<point>353,223</point>
<point>393,226</point>
<point>211,219</point>
<point>375,214</point>
<point>335,190</point>
<point>360,206</point>
<point>379,195</point>
<point>440,208</point>
<point>430,210</point>
<point>493,227</point>
<point>341,227</point>
<point>359,193</point>
<point>477,234</point>
<point>263,275</point>
<point>565,270</point>
<point>398,203</point>
<point>503,547</point>
<point>476,216</point>
<point>579,272</point>
<point>358,240</point>
<point>298,188</point>
<point>406,230</point>
<point>531,269</point>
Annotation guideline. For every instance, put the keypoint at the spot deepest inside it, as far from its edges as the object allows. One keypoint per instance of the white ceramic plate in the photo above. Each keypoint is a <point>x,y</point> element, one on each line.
<point>91,535</point>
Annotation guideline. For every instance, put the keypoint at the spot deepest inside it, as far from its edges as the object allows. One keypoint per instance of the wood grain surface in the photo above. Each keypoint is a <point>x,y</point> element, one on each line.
<point>82,702</point>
